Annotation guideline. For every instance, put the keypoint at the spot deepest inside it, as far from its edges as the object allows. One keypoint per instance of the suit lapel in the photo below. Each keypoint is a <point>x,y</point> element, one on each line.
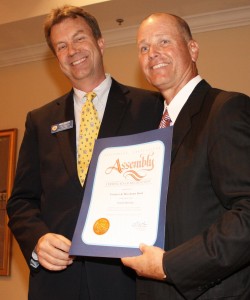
<point>115,110</point>
<point>184,120</point>
<point>67,138</point>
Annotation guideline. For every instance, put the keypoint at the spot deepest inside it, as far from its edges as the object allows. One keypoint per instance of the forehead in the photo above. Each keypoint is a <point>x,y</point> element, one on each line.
<point>157,25</point>
<point>71,25</point>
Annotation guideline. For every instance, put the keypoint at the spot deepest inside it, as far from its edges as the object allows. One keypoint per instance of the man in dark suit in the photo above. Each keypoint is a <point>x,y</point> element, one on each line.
<point>47,193</point>
<point>207,228</point>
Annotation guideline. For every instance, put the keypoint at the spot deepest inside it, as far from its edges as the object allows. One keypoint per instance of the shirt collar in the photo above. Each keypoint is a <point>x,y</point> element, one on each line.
<point>180,98</point>
<point>99,90</point>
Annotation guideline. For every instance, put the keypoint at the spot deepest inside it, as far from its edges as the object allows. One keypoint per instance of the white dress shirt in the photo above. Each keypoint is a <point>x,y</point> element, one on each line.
<point>175,106</point>
<point>100,101</point>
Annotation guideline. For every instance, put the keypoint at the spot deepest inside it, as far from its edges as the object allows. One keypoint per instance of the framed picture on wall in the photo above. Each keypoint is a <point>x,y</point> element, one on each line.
<point>8,139</point>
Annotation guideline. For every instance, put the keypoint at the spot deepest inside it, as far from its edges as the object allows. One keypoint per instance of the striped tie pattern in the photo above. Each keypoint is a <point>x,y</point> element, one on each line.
<point>89,128</point>
<point>165,120</point>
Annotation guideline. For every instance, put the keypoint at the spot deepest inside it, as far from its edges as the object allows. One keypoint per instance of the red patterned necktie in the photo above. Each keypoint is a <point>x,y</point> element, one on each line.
<point>165,120</point>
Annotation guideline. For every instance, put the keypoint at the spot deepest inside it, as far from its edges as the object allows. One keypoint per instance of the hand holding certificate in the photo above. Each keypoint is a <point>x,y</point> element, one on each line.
<point>125,198</point>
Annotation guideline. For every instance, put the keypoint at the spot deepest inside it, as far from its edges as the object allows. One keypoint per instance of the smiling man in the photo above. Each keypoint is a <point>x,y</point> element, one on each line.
<point>79,52</point>
<point>47,192</point>
<point>207,229</point>
<point>167,54</point>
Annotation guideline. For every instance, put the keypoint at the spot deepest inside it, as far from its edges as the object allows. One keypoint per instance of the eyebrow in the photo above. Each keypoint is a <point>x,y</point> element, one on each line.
<point>157,35</point>
<point>74,35</point>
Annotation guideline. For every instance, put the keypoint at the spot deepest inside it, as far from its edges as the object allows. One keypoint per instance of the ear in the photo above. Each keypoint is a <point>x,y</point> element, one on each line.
<point>100,43</point>
<point>193,50</point>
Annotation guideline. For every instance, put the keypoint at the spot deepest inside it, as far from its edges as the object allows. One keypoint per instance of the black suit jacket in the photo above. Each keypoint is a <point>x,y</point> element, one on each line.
<point>47,194</point>
<point>208,204</point>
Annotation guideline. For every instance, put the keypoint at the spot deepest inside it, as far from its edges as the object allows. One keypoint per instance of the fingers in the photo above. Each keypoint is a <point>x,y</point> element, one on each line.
<point>53,252</point>
<point>148,264</point>
<point>129,261</point>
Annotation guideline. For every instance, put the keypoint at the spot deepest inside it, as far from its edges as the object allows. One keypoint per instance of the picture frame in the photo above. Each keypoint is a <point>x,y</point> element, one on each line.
<point>8,139</point>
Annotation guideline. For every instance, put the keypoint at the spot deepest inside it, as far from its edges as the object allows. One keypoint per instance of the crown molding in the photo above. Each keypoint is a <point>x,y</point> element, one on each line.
<point>223,19</point>
<point>25,55</point>
<point>198,23</point>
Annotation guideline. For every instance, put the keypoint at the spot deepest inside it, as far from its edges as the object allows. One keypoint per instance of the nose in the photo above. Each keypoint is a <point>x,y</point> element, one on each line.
<point>153,52</point>
<point>72,49</point>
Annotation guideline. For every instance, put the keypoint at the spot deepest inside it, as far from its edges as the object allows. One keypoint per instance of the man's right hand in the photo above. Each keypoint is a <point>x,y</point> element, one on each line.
<point>53,252</point>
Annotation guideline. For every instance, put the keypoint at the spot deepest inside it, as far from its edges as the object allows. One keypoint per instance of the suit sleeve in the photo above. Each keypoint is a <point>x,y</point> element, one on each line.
<point>222,249</point>
<point>23,207</point>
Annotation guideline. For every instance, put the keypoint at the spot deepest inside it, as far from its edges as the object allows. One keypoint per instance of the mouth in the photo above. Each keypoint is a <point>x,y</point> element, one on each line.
<point>158,66</point>
<point>79,61</point>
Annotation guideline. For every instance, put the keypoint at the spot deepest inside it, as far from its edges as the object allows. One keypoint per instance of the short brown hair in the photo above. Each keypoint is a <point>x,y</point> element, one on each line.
<point>184,27</point>
<point>59,14</point>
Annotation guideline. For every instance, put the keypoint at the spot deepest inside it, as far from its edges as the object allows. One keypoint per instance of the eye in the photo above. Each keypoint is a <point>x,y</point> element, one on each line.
<point>79,38</point>
<point>61,47</point>
<point>164,42</point>
<point>143,49</point>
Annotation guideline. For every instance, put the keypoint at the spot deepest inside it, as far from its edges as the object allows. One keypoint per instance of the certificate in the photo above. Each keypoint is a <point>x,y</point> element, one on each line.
<point>125,197</point>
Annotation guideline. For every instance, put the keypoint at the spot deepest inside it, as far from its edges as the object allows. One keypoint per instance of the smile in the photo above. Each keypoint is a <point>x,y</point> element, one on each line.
<point>77,62</point>
<point>159,66</point>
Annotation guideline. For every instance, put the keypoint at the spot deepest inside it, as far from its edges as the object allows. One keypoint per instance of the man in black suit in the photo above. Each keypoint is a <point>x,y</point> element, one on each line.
<point>207,228</point>
<point>47,193</point>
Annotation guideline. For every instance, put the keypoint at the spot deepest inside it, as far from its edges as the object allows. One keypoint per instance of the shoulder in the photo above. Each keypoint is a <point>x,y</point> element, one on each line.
<point>230,115</point>
<point>225,101</point>
<point>52,107</point>
<point>52,110</point>
<point>54,103</point>
<point>216,100</point>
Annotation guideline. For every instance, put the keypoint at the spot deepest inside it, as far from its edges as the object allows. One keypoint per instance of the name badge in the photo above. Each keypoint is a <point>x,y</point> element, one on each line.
<point>61,126</point>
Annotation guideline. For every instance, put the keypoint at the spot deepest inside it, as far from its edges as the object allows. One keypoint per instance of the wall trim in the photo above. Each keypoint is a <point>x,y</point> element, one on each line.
<point>199,23</point>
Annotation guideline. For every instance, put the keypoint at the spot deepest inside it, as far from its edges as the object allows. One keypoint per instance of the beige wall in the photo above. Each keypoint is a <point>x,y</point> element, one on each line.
<point>224,61</point>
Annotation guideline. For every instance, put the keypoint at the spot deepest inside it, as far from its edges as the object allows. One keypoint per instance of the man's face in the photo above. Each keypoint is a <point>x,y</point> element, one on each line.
<point>166,58</point>
<point>78,53</point>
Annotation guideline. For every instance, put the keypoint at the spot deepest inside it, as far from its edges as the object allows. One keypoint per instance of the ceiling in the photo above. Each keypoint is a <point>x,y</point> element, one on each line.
<point>21,22</point>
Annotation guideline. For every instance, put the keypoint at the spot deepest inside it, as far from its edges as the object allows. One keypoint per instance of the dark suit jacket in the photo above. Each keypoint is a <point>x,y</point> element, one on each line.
<point>208,205</point>
<point>47,194</point>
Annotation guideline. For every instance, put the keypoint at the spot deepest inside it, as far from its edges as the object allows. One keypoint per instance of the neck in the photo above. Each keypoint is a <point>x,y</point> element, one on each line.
<point>89,84</point>
<point>170,92</point>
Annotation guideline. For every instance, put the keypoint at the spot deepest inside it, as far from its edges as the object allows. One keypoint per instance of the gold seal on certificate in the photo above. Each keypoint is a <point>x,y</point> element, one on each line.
<point>101,226</point>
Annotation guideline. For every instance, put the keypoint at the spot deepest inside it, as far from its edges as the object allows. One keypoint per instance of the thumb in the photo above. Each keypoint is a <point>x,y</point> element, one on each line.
<point>142,247</point>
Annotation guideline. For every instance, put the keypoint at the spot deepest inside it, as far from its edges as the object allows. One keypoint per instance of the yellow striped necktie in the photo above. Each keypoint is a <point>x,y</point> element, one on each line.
<point>89,128</point>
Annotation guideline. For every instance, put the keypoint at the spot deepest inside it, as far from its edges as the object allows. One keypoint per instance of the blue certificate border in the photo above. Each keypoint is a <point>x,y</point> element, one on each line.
<point>78,247</point>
